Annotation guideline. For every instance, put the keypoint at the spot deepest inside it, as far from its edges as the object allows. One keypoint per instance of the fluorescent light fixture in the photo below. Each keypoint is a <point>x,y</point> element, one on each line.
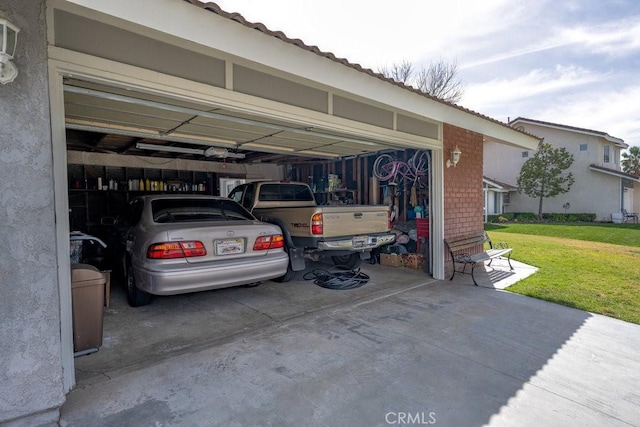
<point>209,152</point>
<point>317,153</point>
<point>265,147</point>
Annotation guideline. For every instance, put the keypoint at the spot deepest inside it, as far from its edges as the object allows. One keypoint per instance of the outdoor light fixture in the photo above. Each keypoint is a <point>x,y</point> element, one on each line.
<point>8,42</point>
<point>455,157</point>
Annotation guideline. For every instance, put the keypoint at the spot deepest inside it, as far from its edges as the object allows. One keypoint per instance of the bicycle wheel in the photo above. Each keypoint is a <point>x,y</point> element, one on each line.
<point>384,167</point>
<point>403,171</point>
<point>419,163</point>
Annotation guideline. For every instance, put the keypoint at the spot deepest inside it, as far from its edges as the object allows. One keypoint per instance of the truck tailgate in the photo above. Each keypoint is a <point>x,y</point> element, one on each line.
<point>354,220</point>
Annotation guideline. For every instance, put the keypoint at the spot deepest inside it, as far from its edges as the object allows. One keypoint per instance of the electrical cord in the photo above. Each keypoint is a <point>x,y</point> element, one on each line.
<point>337,277</point>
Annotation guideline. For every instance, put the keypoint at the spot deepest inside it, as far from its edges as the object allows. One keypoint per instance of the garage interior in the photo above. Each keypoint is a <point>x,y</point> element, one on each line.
<point>123,143</point>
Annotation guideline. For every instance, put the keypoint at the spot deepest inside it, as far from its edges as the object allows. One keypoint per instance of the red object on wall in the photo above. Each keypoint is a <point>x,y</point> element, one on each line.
<point>422,230</point>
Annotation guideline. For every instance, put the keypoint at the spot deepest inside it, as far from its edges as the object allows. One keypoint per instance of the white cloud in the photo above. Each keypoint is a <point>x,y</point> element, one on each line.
<point>616,38</point>
<point>376,32</point>
<point>501,91</point>
<point>612,111</point>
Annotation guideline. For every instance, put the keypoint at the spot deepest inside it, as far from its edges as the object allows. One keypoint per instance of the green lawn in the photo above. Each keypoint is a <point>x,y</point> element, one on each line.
<point>593,267</point>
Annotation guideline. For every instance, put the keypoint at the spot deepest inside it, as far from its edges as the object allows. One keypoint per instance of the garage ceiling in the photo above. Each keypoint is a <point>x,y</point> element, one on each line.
<point>105,119</point>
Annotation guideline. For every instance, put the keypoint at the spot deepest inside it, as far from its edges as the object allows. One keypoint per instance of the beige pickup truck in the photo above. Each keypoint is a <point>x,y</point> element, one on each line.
<point>346,233</point>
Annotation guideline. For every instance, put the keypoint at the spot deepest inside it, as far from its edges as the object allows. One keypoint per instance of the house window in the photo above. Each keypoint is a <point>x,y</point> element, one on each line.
<point>583,147</point>
<point>525,154</point>
<point>506,198</point>
<point>607,156</point>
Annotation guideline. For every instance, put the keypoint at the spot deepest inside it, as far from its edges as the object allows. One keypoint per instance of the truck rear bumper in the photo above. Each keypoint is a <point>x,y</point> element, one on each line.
<point>357,243</point>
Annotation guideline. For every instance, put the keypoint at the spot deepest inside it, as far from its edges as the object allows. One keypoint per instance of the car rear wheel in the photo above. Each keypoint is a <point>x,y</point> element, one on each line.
<point>351,261</point>
<point>286,277</point>
<point>135,296</point>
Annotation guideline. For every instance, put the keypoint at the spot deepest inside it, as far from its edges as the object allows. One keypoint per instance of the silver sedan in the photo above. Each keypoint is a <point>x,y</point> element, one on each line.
<point>188,243</point>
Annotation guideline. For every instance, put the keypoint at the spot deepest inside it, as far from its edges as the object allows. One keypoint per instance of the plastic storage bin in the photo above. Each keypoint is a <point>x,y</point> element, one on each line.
<point>87,296</point>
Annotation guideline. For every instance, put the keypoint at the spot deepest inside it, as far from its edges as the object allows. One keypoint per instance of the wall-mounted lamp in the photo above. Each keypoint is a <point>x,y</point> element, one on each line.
<point>455,157</point>
<point>8,42</point>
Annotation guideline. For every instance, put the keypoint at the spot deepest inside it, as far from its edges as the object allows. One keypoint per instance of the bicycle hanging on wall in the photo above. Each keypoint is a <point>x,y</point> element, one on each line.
<point>414,172</point>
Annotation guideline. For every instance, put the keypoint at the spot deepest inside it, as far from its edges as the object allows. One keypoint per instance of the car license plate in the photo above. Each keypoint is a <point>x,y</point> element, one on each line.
<point>229,246</point>
<point>360,241</point>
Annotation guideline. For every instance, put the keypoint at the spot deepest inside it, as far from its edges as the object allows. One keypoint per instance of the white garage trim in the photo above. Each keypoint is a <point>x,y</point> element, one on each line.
<point>61,203</point>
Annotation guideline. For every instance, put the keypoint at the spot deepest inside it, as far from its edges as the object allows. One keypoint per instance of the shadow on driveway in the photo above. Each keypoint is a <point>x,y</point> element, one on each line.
<point>402,350</point>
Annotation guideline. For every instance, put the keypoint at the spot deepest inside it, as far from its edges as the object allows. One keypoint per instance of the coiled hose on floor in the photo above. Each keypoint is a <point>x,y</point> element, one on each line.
<point>337,277</point>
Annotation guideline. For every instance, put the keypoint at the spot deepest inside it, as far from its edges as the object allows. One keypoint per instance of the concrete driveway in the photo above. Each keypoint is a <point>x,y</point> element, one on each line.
<point>402,350</point>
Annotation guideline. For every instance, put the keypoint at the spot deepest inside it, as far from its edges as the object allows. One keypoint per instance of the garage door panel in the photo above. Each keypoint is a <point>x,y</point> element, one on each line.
<point>289,142</point>
<point>84,101</point>
<point>134,95</point>
<point>111,117</point>
<point>237,134</point>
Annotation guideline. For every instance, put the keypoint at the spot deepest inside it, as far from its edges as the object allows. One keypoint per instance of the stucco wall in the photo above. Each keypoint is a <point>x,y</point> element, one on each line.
<point>30,364</point>
<point>503,162</point>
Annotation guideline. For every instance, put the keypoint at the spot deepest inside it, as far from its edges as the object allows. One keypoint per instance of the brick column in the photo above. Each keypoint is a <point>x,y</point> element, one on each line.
<point>463,196</point>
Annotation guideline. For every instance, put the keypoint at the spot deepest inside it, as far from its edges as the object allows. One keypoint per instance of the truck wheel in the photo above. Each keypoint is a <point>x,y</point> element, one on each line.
<point>287,276</point>
<point>351,261</point>
<point>135,296</point>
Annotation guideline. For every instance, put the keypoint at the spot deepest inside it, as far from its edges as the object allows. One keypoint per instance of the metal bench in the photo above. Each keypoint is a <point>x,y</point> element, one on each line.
<point>459,252</point>
<point>628,216</point>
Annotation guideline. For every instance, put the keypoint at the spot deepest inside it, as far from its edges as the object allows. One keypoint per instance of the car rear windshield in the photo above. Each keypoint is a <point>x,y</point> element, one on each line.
<point>280,192</point>
<point>193,210</point>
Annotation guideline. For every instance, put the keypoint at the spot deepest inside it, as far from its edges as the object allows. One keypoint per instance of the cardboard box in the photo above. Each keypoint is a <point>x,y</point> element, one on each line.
<point>415,261</point>
<point>391,260</point>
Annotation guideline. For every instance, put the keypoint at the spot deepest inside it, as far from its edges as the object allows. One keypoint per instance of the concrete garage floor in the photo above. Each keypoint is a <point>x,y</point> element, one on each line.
<point>403,349</point>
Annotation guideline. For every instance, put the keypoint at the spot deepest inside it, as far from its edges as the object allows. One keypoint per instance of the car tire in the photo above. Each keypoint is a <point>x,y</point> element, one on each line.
<point>286,277</point>
<point>252,285</point>
<point>135,296</point>
<point>350,261</point>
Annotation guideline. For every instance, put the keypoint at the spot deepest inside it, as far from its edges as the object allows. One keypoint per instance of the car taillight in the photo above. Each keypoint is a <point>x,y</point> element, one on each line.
<point>169,250</point>
<point>269,242</point>
<point>316,224</point>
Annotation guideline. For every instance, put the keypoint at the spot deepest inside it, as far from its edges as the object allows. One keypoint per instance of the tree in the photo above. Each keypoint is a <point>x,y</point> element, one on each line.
<point>631,161</point>
<point>439,79</point>
<point>544,176</point>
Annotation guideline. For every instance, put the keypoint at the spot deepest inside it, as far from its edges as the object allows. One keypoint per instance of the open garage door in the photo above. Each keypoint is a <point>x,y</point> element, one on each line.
<point>139,123</point>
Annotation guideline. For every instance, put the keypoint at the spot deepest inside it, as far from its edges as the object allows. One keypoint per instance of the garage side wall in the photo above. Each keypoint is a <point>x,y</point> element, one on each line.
<point>463,195</point>
<point>30,362</point>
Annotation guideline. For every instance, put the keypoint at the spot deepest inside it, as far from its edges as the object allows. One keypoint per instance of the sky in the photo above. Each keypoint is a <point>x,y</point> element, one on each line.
<point>572,62</point>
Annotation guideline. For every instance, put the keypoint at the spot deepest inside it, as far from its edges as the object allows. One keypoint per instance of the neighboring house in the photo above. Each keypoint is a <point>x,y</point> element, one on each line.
<point>600,187</point>
<point>496,196</point>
